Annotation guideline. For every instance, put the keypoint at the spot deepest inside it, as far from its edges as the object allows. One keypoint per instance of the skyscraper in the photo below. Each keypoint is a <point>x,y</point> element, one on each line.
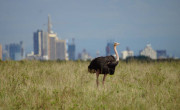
<point>56,47</point>
<point>61,49</point>
<point>6,53</point>
<point>15,51</point>
<point>22,49</point>
<point>52,37</point>
<point>0,52</point>
<point>40,40</point>
<point>44,45</point>
<point>161,54</point>
<point>71,50</point>
<point>52,46</point>
<point>110,48</point>
<point>37,42</point>
<point>49,24</point>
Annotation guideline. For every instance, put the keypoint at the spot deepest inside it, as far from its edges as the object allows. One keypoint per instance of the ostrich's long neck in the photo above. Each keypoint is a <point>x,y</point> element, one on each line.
<point>117,56</point>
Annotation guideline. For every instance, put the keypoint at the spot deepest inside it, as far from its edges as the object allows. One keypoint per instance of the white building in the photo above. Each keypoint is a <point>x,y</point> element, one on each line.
<point>31,56</point>
<point>84,56</point>
<point>149,52</point>
<point>127,53</point>
<point>52,46</point>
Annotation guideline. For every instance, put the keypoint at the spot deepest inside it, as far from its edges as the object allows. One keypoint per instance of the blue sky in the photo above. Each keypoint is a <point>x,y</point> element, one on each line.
<point>133,23</point>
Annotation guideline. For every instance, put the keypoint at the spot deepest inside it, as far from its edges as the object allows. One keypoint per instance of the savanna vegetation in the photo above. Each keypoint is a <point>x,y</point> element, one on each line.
<point>67,85</point>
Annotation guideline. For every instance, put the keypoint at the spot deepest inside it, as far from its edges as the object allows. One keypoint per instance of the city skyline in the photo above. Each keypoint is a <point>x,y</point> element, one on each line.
<point>47,45</point>
<point>93,23</point>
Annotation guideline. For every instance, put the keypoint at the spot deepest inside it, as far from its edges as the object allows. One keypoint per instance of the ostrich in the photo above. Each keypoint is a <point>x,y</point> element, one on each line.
<point>104,65</point>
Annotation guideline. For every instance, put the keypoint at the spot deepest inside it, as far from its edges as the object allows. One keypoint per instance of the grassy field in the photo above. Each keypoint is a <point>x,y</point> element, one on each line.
<point>68,85</point>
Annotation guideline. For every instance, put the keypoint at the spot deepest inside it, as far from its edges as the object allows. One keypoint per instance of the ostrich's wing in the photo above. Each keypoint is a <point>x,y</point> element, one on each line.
<point>97,63</point>
<point>111,61</point>
<point>112,64</point>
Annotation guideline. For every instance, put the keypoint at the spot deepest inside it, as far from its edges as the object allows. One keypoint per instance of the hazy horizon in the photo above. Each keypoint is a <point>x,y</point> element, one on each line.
<point>92,23</point>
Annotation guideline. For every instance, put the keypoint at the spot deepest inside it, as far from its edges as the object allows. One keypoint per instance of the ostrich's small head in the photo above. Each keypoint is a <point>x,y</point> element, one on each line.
<point>115,43</point>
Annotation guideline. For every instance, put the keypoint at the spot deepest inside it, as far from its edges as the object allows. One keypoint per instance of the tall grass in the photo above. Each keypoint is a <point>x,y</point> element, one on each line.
<point>68,85</point>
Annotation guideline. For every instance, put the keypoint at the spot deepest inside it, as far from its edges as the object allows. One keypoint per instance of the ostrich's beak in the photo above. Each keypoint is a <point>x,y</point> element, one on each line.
<point>116,43</point>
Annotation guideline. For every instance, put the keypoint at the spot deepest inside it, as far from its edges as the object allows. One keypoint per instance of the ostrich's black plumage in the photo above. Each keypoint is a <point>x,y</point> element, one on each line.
<point>105,65</point>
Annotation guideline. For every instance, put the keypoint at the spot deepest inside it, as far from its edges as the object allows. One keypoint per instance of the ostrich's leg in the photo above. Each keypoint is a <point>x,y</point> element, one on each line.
<point>104,78</point>
<point>97,76</point>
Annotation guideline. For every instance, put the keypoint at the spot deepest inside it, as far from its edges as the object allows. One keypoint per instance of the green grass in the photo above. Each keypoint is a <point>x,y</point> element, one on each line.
<point>68,85</point>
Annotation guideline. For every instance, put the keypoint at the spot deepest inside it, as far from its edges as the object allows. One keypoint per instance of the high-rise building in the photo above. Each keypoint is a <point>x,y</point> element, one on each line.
<point>61,50</point>
<point>44,45</point>
<point>52,37</point>
<point>15,51</point>
<point>127,53</point>
<point>49,25</point>
<point>40,40</point>
<point>149,52</point>
<point>110,48</point>
<point>7,49</point>
<point>52,46</point>
<point>37,42</point>
<point>0,52</point>
<point>6,53</point>
<point>22,49</point>
<point>71,50</point>
<point>56,47</point>
<point>161,54</point>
